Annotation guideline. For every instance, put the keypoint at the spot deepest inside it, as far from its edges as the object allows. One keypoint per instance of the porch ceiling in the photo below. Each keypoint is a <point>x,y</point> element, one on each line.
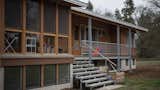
<point>90,13</point>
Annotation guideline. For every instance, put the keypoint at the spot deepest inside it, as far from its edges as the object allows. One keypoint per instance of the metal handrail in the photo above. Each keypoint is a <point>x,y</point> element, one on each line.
<point>113,65</point>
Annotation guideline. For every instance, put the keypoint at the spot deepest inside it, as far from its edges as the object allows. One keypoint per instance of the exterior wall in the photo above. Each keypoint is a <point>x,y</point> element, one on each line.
<point>125,67</point>
<point>55,87</point>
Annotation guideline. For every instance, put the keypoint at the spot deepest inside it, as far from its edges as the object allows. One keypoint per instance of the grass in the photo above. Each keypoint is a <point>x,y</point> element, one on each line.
<point>145,77</point>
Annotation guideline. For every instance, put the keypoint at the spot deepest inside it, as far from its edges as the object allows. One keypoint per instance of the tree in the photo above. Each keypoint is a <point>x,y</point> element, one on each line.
<point>117,14</point>
<point>107,13</point>
<point>90,6</point>
<point>128,11</point>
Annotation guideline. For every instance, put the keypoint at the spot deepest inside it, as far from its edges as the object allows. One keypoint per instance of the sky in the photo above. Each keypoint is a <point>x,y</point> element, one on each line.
<point>111,5</point>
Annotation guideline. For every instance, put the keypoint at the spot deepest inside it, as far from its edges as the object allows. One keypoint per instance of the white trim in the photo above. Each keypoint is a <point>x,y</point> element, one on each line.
<point>108,19</point>
<point>77,2</point>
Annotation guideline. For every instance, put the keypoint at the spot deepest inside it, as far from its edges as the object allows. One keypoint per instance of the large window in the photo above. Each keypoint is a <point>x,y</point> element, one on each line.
<point>49,46</point>
<point>12,42</point>
<point>49,17</point>
<point>63,20</point>
<point>33,75</point>
<point>13,13</point>
<point>33,15</point>
<point>33,43</point>
<point>64,73</point>
<point>63,45</point>
<point>50,75</point>
<point>13,78</point>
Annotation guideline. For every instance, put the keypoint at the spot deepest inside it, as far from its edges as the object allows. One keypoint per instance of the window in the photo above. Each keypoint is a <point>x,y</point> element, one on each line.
<point>13,13</point>
<point>12,42</point>
<point>13,78</point>
<point>63,45</point>
<point>33,15</point>
<point>76,34</point>
<point>32,43</point>
<point>49,17</point>
<point>134,61</point>
<point>64,73</point>
<point>33,76</point>
<point>63,20</point>
<point>48,44</point>
<point>50,75</point>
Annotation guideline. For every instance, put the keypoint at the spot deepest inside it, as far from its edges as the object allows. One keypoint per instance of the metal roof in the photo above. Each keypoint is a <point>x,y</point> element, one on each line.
<point>90,13</point>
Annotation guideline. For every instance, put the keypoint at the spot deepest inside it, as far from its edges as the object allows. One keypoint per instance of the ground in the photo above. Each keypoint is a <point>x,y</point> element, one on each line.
<point>145,77</point>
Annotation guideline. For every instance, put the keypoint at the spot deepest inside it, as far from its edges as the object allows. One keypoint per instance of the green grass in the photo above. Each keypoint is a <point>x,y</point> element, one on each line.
<point>145,77</point>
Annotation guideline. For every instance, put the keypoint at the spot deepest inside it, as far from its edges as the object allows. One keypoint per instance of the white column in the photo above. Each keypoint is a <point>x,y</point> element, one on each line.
<point>130,49</point>
<point>1,78</point>
<point>118,48</point>
<point>90,36</point>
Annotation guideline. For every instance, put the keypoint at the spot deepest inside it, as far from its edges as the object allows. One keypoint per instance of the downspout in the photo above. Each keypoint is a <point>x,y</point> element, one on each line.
<point>118,48</point>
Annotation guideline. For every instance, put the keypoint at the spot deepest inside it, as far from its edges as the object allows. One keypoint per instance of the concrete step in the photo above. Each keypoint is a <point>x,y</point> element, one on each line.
<point>86,73</point>
<point>111,87</point>
<point>85,69</point>
<point>81,62</point>
<point>83,66</point>
<point>92,76</point>
<point>103,83</point>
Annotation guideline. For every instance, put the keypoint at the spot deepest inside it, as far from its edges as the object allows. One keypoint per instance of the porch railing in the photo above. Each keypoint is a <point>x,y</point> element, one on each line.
<point>107,49</point>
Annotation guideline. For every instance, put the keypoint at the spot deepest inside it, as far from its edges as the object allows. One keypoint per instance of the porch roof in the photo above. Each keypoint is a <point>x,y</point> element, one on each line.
<point>90,13</point>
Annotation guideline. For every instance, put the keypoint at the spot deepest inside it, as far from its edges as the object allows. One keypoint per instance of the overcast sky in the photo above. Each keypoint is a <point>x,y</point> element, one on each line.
<point>111,5</point>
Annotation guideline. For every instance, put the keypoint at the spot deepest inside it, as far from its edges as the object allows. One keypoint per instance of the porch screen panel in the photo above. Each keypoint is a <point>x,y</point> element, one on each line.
<point>63,20</point>
<point>63,45</point>
<point>33,76</point>
<point>13,78</point>
<point>50,75</point>
<point>33,15</point>
<point>49,17</point>
<point>13,13</point>
<point>64,73</point>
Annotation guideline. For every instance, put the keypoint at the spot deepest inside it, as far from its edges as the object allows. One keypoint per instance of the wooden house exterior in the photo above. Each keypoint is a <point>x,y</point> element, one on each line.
<point>40,39</point>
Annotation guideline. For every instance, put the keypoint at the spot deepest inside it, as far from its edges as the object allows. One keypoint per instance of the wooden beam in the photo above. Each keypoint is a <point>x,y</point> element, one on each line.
<point>42,75</point>
<point>2,26</point>
<point>42,26</point>
<point>23,40</point>
<point>24,77</point>
<point>57,28</point>
<point>70,33</point>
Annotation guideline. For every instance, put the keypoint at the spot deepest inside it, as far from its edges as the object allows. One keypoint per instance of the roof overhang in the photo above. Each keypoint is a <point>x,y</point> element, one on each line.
<point>90,13</point>
<point>76,2</point>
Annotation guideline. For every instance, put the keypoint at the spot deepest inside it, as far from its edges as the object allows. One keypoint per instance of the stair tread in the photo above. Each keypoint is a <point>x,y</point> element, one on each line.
<point>85,69</point>
<point>88,72</point>
<point>100,83</point>
<point>94,80</point>
<point>83,65</point>
<point>92,76</point>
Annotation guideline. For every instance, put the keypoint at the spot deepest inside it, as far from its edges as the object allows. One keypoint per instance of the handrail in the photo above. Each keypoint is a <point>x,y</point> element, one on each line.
<point>111,63</point>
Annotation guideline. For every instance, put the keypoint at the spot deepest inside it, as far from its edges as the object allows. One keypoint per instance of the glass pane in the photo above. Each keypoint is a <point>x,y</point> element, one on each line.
<point>50,75</point>
<point>33,76</point>
<point>33,15</point>
<point>33,43</point>
<point>63,45</point>
<point>49,17</point>
<point>13,13</point>
<point>13,78</point>
<point>63,20</point>
<point>12,42</point>
<point>64,73</point>
<point>48,44</point>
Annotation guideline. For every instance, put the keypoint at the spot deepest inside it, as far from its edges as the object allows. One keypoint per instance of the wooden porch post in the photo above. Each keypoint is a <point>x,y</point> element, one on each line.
<point>130,48</point>
<point>90,37</point>
<point>118,48</point>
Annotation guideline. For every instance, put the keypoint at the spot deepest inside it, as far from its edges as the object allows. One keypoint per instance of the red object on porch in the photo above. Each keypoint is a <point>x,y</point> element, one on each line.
<point>95,52</point>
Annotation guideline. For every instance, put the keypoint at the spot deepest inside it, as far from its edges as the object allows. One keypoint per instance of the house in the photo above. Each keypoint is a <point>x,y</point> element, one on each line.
<point>41,39</point>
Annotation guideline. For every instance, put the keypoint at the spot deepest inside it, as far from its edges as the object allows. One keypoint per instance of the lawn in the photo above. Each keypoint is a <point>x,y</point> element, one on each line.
<point>145,77</point>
